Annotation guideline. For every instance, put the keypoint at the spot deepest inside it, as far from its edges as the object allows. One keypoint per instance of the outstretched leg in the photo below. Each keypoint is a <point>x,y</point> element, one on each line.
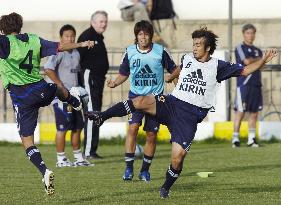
<point>143,103</point>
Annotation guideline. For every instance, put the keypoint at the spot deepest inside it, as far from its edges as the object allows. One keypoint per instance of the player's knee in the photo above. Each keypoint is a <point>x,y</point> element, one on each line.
<point>151,137</point>
<point>138,102</point>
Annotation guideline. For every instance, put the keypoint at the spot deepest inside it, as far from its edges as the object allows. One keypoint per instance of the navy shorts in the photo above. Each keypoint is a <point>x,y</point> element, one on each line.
<point>180,117</point>
<point>66,117</point>
<point>150,124</point>
<point>248,99</point>
<point>27,99</point>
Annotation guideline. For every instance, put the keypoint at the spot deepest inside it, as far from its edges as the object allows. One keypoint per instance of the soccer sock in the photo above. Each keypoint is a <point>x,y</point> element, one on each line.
<point>35,157</point>
<point>61,156</point>
<point>78,155</point>
<point>235,137</point>
<point>119,110</point>
<point>171,176</point>
<point>251,135</point>
<point>129,159</point>
<point>146,162</point>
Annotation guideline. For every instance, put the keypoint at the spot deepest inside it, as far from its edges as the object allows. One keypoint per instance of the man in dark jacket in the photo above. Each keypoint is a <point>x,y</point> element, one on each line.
<point>94,63</point>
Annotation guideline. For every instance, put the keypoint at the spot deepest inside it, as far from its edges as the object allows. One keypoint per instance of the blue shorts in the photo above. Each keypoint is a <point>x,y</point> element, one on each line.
<point>180,117</point>
<point>27,99</point>
<point>67,118</point>
<point>248,99</point>
<point>150,124</point>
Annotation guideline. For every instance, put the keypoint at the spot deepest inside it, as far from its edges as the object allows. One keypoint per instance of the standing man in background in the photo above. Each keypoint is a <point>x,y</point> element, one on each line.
<point>249,92</point>
<point>94,64</point>
<point>63,70</point>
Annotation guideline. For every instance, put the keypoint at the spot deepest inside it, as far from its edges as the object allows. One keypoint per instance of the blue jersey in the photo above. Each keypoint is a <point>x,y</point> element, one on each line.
<point>243,52</point>
<point>146,70</point>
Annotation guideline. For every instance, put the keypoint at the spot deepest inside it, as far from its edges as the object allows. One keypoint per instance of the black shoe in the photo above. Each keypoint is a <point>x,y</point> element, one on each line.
<point>95,116</point>
<point>236,144</point>
<point>164,194</point>
<point>254,144</point>
<point>94,156</point>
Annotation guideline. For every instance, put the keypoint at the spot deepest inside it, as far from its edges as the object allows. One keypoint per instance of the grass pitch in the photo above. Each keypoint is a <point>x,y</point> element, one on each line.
<point>241,176</point>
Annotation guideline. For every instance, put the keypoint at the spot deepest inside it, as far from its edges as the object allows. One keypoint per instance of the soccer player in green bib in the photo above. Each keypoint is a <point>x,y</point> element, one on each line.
<point>20,56</point>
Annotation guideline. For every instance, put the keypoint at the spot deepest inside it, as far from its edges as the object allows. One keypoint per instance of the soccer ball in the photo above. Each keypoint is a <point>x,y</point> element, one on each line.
<point>81,94</point>
<point>138,151</point>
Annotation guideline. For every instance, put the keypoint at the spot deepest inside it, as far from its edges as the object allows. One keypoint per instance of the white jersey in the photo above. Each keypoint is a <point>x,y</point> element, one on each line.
<point>197,82</point>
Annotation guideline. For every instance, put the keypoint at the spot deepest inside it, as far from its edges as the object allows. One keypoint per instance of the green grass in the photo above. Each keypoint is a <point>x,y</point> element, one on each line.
<point>241,176</point>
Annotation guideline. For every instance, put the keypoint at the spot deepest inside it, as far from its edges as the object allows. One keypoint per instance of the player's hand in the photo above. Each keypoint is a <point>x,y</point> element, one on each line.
<point>269,54</point>
<point>110,83</point>
<point>168,79</point>
<point>89,44</point>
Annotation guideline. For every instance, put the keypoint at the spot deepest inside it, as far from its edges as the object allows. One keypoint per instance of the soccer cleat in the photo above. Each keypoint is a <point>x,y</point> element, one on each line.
<point>144,176</point>
<point>95,116</point>
<point>64,163</point>
<point>48,181</point>
<point>236,144</point>
<point>254,144</point>
<point>128,175</point>
<point>164,194</point>
<point>84,163</point>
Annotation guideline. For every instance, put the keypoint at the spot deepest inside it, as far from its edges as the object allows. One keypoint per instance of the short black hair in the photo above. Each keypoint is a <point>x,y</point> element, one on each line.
<point>145,26</point>
<point>247,27</point>
<point>67,27</point>
<point>11,23</point>
<point>210,39</point>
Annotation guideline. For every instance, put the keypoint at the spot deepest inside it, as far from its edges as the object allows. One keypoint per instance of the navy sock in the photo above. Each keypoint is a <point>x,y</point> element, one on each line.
<point>171,176</point>
<point>35,157</point>
<point>129,159</point>
<point>119,110</point>
<point>146,162</point>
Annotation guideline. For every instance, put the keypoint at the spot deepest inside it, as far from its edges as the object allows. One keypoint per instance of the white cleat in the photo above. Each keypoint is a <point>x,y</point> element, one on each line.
<point>84,163</point>
<point>65,163</point>
<point>48,181</point>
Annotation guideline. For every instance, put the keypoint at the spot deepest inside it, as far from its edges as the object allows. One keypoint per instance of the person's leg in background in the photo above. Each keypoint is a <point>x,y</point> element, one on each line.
<point>95,85</point>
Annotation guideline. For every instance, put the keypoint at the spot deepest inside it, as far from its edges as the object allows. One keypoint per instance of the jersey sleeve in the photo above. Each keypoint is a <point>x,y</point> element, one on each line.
<point>48,48</point>
<point>227,70</point>
<point>125,65</point>
<point>4,47</point>
<point>52,62</point>
<point>182,58</point>
<point>168,62</point>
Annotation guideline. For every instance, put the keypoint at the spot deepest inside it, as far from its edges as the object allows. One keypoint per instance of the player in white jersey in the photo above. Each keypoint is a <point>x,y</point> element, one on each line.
<point>199,75</point>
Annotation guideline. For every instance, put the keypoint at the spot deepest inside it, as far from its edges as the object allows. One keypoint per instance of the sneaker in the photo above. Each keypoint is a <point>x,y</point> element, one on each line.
<point>95,116</point>
<point>48,181</point>
<point>254,144</point>
<point>84,163</point>
<point>236,144</point>
<point>128,175</point>
<point>65,163</point>
<point>164,194</point>
<point>144,176</point>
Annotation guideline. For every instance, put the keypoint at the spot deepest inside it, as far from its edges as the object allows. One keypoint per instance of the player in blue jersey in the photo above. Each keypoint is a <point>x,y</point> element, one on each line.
<point>20,56</point>
<point>199,75</point>
<point>144,62</point>
<point>248,93</point>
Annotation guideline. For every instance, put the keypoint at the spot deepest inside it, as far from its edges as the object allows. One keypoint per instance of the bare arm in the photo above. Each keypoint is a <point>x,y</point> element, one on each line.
<point>118,81</point>
<point>173,77</point>
<point>70,46</point>
<point>267,56</point>
<point>248,61</point>
<point>53,76</point>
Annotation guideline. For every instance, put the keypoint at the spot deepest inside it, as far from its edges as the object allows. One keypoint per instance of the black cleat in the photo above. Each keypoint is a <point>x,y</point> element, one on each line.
<point>164,194</point>
<point>236,144</point>
<point>95,116</point>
